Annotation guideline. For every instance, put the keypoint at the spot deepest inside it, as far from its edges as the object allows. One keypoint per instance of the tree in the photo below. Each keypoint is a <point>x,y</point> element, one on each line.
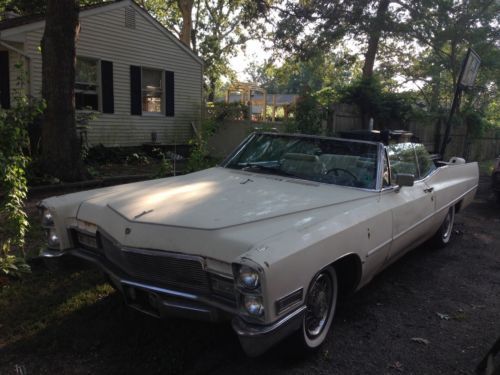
<point>186,9</point>
<point>297,76</point>
<point>32,7</point>
<point>375,31</point>
<point>436,35</point>
<point>308,26</point>
<point>60,146</point>
<point>217,28</point>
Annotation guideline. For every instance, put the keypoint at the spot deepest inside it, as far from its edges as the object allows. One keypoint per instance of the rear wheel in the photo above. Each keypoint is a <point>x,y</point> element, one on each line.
<point>321,302</point>
<point>443,235</point>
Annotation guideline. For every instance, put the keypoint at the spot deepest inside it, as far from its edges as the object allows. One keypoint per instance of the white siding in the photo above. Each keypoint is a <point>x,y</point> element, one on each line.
<point>104,36</point>
<point>18,78</point>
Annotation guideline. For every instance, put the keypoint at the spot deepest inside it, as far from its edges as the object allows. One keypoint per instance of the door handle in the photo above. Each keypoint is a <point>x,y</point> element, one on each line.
<point>429,190</point>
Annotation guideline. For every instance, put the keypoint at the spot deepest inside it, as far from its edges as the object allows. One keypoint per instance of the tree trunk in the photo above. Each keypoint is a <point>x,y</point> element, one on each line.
<point>186,8</point>
<point>60,146</point>
<point>373,39</point>
<point>211,89</point>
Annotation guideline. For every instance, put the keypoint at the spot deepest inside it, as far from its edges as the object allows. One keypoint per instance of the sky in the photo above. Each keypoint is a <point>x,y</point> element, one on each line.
<point>254,52</point>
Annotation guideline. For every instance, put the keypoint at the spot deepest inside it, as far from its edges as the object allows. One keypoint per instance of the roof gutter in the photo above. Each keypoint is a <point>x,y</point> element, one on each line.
<point>14,49</point>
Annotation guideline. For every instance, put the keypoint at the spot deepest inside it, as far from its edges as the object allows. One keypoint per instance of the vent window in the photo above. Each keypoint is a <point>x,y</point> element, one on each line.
<point>130,18</point>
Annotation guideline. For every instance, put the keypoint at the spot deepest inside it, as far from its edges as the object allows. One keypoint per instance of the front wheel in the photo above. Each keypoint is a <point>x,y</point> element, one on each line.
<point>443,235</point>
<point>321,302</point>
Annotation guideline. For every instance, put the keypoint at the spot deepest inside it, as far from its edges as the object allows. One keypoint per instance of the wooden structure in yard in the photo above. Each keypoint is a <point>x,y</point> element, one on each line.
<point>258,100</point>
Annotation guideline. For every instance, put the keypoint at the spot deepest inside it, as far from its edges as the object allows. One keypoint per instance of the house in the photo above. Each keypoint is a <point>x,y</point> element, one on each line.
<point>136,78</point>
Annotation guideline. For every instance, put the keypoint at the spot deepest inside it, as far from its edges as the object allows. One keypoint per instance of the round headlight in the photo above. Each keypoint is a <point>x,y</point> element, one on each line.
<point>253,305</point>
<point>248,278</point>
<point>53,238</point>
<point>47,219</point>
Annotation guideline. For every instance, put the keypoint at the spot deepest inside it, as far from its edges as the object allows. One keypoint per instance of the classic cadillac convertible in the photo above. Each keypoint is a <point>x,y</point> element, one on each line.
<point>271,237</point>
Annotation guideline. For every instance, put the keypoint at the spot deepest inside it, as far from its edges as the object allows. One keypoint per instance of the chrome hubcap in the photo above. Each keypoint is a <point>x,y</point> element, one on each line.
<point>319,303</point>
<point>448,225</point>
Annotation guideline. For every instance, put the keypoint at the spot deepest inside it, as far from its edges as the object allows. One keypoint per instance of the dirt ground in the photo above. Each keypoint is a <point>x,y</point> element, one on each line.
<point>432,312</point>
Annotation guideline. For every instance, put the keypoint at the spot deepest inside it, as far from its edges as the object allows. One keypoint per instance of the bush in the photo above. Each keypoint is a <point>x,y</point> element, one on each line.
<point>198,158</point>
<point>384,106</point>
<point>14,146</point>
<point>227,111</point>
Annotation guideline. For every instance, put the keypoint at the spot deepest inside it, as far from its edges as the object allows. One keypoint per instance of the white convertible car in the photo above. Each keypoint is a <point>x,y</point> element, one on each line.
<point>271,237</point>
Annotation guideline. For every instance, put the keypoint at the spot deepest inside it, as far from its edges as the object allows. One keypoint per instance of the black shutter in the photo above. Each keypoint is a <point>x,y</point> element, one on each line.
<point>135,91</point>
<point>169,94</point>
<point>4,80</point>
<point>108,99</point>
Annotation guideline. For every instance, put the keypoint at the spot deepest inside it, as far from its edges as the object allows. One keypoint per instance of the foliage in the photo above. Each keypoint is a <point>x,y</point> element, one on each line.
<point>12,265</point>
<point>32,7</point>
<point>198,157</point>
<point>308,115</point>
<point>384,106</point>
<point>219,28</point>
<point>297,76</point>
<point>220,111</point>
<point>476,122</point>
<point>216,113</point>
<point>137,159</point>
<point>165,169</point>
<point>14,143</point>
<point>432,42</point>
<point>100,154</point>
<point>421,48</point>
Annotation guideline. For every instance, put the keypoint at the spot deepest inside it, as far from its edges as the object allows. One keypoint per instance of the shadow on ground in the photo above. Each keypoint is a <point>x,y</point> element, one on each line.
<point>432,312</point>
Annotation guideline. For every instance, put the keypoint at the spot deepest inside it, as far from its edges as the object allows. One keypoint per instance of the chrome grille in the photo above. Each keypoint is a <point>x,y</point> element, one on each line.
<point>164,269</point>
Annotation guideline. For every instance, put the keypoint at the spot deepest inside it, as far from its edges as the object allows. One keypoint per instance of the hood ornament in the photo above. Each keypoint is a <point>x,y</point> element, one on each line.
<point>142,214</point>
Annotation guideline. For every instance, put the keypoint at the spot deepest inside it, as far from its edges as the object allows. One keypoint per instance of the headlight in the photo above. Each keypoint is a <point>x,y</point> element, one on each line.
<point>253,305</point>
<point>53,238</point>
<point>248,278</point>
<point>47,219</point>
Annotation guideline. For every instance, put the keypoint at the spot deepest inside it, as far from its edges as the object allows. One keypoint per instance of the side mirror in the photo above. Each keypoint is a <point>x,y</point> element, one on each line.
<point>404,179</point>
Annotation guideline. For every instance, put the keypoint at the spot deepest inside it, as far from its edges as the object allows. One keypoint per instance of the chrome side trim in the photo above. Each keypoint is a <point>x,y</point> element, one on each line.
<point>160,290</point>
<point>252,330</point>
<point>51,253</point>
<point>379,247</point>
<point>282,304</point>
<point>445,207</point>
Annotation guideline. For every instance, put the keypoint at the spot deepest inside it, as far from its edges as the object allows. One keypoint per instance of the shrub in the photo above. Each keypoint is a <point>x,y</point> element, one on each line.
<point>14,146</point>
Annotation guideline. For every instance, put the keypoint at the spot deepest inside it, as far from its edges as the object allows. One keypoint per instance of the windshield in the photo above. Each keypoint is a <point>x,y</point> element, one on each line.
<point>332,161</point>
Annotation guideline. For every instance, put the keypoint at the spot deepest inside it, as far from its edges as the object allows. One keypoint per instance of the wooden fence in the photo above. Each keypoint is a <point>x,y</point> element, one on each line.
<point>346,117</point>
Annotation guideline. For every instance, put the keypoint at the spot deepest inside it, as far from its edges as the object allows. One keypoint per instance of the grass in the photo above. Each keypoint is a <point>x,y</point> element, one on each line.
<point>41,299</point>
<point>71,321</point>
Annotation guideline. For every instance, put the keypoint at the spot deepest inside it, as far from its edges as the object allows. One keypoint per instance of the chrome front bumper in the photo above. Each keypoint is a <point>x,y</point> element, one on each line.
<point>256,339</point>
<point>150,299</point>
<point>161,302</point>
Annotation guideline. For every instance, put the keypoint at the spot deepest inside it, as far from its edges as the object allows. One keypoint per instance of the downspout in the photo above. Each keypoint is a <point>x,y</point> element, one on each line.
<point>22,53</point>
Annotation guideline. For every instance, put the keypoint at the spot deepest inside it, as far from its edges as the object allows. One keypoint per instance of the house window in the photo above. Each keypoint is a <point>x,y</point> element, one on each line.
<point>86,87</point>
<point>152,90</point>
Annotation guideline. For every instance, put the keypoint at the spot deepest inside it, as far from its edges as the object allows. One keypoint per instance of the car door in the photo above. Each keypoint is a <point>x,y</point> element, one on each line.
<point>412,206</point>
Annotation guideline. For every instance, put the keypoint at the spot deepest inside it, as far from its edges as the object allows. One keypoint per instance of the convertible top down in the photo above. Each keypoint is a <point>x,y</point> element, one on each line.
<point>270,237</point>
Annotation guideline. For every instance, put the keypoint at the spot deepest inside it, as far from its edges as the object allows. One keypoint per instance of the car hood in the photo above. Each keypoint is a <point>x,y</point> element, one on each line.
<point>217,198</point>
